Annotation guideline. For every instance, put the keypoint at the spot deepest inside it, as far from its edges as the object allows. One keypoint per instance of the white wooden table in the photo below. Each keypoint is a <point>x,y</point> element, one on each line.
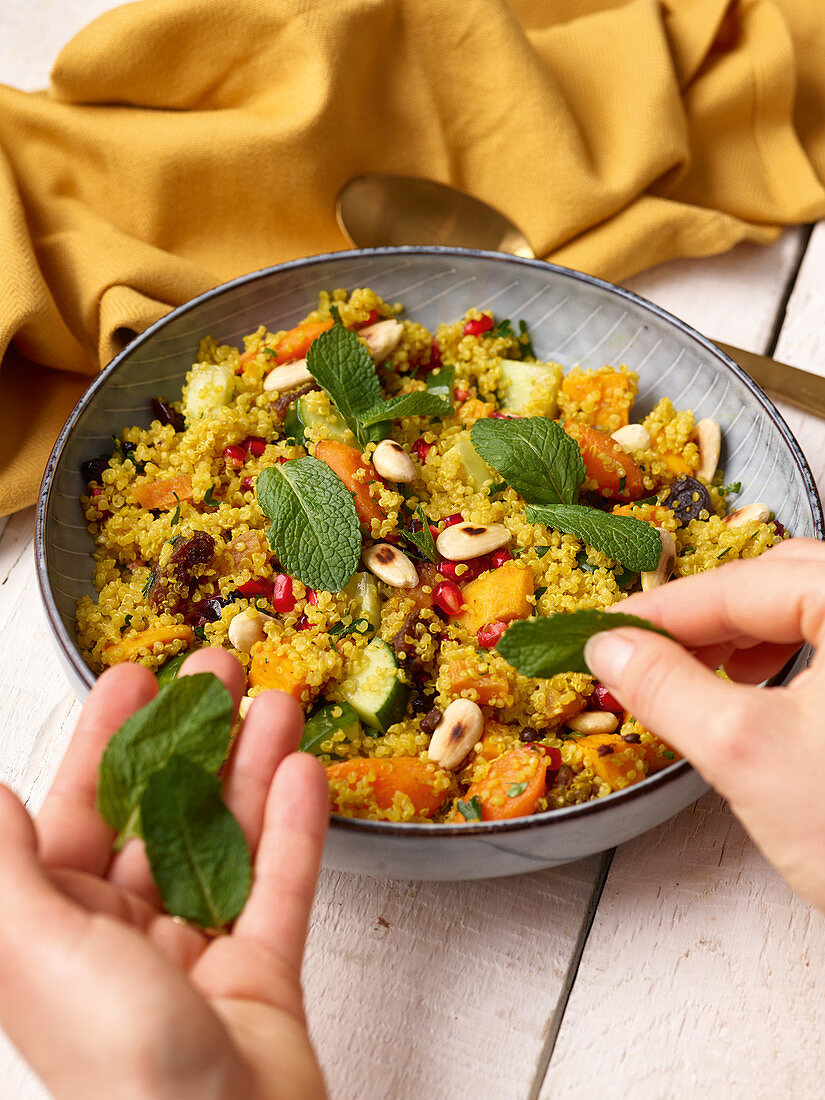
<point>678,965</point>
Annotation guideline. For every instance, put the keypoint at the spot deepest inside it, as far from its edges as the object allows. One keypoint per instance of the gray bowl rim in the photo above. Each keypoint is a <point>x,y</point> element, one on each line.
<point>389,828</point>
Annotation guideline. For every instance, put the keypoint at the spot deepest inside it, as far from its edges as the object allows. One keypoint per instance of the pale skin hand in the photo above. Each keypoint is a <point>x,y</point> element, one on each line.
<point>106,995</point>
<point>762,748</point>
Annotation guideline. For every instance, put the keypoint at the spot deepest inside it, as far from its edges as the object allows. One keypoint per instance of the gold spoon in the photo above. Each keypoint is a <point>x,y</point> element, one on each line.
<point>381,209</point>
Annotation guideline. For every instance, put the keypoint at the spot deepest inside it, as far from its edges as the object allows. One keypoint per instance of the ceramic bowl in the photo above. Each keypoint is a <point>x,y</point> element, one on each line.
<point>573,319</point>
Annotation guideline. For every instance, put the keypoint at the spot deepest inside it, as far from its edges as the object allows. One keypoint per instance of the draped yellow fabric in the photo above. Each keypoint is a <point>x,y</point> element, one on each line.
<point>184,142</point>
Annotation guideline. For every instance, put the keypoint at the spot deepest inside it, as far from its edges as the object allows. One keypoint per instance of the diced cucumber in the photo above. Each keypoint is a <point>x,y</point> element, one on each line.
<point>440,382</point>
<point>168,672</point>
<point>530,389</point>
<point>474,470</point>
<point>378,697</point>
<point>303,414</point>
<point>329,720</point>
<point>366,604</point>
<point>207,387</point>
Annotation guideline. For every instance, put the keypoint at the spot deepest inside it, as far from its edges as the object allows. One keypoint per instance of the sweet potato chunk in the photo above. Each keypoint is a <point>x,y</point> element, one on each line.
<point>614,471</point>
<point>296,343</point>
<point>602,397</point>
<point>490,687</point>
<point>163,494</point>
<point>128,648</point>
<point>279,671</point>
<point>346,461</point>
<point>515,782</point>
<point>376,782</point>
<point>499,595</point>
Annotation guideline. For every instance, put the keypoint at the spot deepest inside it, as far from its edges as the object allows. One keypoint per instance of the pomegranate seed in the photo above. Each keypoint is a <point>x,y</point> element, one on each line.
<point>499,415</point>
<point>254,445</point>
<point>302,623</point>
<point>433,530</point>
<point>499,557</point>
<point>258,586</point>
<point>447,596</point>
<point>235,454</point>
<point>490,634</point>
<point>282,598</point>
<point>478,326</point>
<point>452,520</point>
<point>247,484</point>
<point>462,395</point>
<point>95,490</point>
<point>553,757</point>
<point>601,699</point>
<point>372,317</point>
<point>473,569</point>
<point>312,597</point>
<point>421,449</point>
<point>435,355</point>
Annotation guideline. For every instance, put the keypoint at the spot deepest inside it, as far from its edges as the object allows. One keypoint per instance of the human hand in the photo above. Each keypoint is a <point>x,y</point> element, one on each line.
<point>762,748</point>
<point>106,995</point>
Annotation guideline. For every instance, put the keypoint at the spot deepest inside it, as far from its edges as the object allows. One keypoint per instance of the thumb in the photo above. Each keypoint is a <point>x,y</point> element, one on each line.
<point>719,726</point>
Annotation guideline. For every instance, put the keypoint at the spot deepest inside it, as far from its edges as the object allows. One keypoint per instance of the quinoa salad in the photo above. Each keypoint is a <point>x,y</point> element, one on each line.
<point>362,511</point>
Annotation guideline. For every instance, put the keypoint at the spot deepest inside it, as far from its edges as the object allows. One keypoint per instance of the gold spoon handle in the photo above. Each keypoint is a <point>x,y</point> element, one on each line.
<point>797,387</point>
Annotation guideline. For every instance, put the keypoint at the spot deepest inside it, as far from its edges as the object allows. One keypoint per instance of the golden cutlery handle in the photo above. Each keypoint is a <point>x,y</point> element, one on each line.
<point>797,387</point>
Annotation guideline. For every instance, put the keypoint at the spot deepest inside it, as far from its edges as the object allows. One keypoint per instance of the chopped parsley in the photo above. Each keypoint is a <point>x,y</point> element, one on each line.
<point>469,810</point>
<point>515,789</point>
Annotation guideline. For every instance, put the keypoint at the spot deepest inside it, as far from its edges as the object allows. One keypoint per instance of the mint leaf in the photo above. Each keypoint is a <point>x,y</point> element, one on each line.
<point>534,456</point>
<point>515,789</point>
<point>339,362</point>
<point>191,716</point>
<point>470,810</point>
<point>422,540</point>
<point>555,643</point>
<point>440,382</point>
<point>315,528</point>
<point>197,850</point>
<point>419,403</point>
<point>630,542</point>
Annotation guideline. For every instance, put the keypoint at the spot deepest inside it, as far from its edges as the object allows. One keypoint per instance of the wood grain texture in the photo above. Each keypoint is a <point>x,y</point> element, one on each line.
<point>440,989</point>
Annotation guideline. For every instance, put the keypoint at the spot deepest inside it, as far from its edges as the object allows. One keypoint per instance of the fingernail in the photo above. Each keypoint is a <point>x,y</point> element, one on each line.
<point>607,655</point>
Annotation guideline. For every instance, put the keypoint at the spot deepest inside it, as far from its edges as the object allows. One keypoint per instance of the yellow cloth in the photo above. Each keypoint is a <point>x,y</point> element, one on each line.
<point>183,142</point>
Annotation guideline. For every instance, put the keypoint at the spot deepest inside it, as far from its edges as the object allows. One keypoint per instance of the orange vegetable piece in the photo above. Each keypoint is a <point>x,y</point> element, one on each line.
<point>241,549</point>
<point>424,783</point>
<point>346,461</point>
<point>678,465</point>
<point>489,686</point>
<point>278,671</point>
<point>499,793</point>
<point>603,396</point>
<point>474,409</point>
<point>613,470</point>
<point>493,743</point>
<point>657,515</point>
<point>499,595</point>
<point>128,648</point>
<point>295,343</point>
<point>623,766</point>
<point>162,494</point>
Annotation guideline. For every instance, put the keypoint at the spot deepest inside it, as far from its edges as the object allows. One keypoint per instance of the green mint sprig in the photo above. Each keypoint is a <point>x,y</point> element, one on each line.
<point>314,530</point>
<point>634,544</point>
<point>341,365</point>
<point>543,464</point>
<point>422,540</point>
<point>534,456</point>
<point>555,643</point>
<point>194,720</point>
<point>440,382</point>
<point>197,851</point>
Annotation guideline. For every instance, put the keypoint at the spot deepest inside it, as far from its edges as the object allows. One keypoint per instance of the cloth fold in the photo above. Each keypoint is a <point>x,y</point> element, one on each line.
<point>184,142</point>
